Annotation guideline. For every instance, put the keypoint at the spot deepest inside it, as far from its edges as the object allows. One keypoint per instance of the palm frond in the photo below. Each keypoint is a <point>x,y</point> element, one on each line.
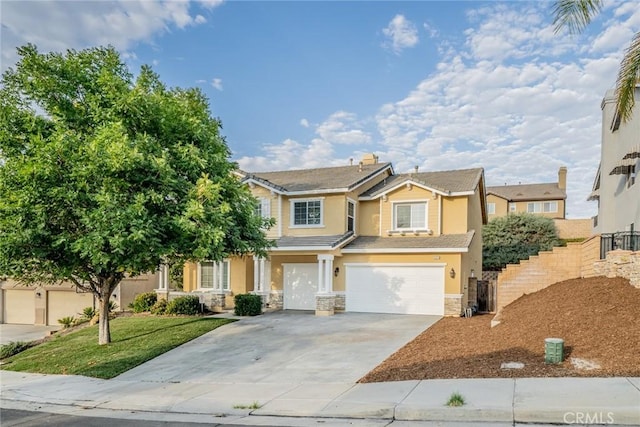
<point>574,15</point>
<point>628,79</point>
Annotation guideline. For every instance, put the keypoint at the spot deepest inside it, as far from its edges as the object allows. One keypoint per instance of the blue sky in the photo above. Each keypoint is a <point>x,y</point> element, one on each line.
<point>441,85</point>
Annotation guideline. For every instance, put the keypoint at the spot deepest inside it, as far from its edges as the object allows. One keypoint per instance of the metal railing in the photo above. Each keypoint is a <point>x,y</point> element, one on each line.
<point>626,240</point>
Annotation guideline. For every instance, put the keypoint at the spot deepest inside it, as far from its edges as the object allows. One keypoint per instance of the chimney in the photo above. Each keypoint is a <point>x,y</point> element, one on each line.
<point>415,169</point>
<point>360,166</point>
<point>351,161</point>
<point>562,178</point>
<point>369,159</point>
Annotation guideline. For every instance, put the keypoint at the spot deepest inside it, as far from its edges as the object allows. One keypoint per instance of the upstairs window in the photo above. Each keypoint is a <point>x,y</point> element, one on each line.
<point>214,275</point>
<point>512,207</point>
<point>306,212</point>
<point>351,216</point>
<point>263,209</point>
<point>491,208</point>
<point>542,207</point>
<point>410,216</point>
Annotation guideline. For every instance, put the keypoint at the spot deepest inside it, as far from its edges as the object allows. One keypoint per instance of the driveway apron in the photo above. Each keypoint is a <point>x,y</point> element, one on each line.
<point>286,347</point>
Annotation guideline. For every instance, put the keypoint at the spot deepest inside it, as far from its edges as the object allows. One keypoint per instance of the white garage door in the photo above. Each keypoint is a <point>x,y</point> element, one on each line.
<point>407,289</point>
<point>300,286</point>
<point>19,306</point>
<point>66,303</point>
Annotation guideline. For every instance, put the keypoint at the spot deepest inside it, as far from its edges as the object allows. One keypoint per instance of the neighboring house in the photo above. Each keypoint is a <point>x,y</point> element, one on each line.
<point>358,238</point>
<point>44,305</point>
<point>546,199</point>
<point>616,186</point>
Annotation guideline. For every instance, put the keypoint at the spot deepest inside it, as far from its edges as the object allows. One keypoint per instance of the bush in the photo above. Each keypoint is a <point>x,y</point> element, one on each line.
<point>67,321</point>
<point>89,312</point>
<point>188,304</point>
<point>248,305</point>
<point>512,238</point>
<point>144,302</point>
<point>160,307</point>
<point>14,347</point>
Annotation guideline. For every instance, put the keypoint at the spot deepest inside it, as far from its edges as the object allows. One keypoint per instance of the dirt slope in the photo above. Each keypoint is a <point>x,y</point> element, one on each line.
<point>598,318</point>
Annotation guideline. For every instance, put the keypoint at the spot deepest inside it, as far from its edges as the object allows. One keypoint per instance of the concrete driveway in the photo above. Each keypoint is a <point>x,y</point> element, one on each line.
<point>286,347</point>
<point>26,333</point>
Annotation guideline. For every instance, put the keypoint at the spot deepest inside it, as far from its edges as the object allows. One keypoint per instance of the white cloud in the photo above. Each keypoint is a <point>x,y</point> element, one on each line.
<point>200,81</point>
<point>304,123</point>
<point>80,24</point>
<point>216,83</point>
<point>401,34</point>
<point>343,128</point>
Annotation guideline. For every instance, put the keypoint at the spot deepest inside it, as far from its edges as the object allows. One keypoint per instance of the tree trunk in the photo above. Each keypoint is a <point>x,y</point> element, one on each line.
<point>104,334</point>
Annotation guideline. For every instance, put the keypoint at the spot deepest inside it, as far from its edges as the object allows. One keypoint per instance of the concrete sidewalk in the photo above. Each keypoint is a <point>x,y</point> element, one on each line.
<point>508,401</point>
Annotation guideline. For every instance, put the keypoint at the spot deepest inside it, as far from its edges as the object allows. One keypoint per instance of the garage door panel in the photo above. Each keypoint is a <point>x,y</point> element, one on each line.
<point>300,286</point>
<point>395,289</point>
<point>19,306</point>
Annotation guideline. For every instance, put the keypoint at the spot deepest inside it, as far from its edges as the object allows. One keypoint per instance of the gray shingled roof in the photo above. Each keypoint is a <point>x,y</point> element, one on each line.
<point>312,241</point>
<point>454,181</point>
<point>339,177</point>
<point>520,192</point>
<point>442,241</point>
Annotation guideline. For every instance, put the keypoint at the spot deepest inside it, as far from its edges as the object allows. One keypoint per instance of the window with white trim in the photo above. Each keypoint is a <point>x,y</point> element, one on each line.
<point>410,216</point>
<point>306,212</point>
<point>214,275</point>
<point>351,216</point>
<point>542,207</point>
<point>512,207</point>
<point>263,208</point>
<point>491,208</point>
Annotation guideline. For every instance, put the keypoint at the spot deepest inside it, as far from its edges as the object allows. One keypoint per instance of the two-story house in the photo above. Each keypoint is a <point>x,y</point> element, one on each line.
<point>615,186</point>
<point>359,238</point>
<point>547,199</point>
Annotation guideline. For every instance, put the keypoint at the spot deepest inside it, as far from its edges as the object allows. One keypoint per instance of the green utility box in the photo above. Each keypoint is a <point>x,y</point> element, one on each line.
<point>553,350</point>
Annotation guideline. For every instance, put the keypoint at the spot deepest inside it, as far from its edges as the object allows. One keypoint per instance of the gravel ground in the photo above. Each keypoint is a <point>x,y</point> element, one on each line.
<point>598,318</point>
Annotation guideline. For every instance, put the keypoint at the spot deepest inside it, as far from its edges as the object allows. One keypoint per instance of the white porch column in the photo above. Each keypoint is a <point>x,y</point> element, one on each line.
<point>262,275</point>
<point>256,275</point>
<point>163,278</point>
<point>325,274</point>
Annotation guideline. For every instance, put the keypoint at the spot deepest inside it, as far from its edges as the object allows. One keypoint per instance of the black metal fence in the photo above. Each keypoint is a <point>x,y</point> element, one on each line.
<point>626,240</point>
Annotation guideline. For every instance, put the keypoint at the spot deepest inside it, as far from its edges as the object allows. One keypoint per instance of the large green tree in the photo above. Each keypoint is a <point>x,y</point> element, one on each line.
<point>103,175</point>
<point>575,15</point>
<point>512,238</point>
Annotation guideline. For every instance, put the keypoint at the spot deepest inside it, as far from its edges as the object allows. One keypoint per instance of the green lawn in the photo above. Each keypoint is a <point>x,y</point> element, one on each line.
<point>134,341</point>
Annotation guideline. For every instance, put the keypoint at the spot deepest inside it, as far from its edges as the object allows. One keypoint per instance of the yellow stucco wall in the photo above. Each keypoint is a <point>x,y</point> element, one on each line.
<point>454,215</point>
<point>369,218</point>
<point>261,192</point>
<point>404,194</point>
<point>334,216</point>
<point>502,207</point>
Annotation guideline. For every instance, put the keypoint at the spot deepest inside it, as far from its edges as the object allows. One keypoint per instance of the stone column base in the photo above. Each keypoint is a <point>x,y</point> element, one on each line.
<point>340,302</point>
<point>275,300</point>
<point>214,302</point>
<point>453,305</point>
<point>325,305</point>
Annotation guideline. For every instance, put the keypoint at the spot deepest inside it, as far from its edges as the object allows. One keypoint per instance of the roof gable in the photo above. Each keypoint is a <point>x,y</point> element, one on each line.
<point>318,180</point>
<point>453,182</point>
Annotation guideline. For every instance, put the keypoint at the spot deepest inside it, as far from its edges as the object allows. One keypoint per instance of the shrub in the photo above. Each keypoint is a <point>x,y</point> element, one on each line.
<point>13,347</point>
<point>188,304</point>
<point>88,312</point>
<point>112,305</point>
<point>248,305</point>
<point>160,307</point>
<point>144,302</point>
<point>512,238</point>
<point>67,321</point>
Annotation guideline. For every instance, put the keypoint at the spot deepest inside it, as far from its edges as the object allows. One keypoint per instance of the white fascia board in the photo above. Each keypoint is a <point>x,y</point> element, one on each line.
<point>417,184</point>
<point>263,185</point>
<point>404,250</point>
<point>395,264</point>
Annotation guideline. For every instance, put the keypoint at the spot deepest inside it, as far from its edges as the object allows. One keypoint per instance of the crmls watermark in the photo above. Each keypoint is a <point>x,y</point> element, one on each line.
<point>588,417</point>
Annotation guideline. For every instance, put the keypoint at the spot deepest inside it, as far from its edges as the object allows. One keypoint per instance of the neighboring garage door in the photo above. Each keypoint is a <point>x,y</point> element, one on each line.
<point>19,306</point>
<point>66,303</point>
<point>386,288</point>
<point>300,286</point>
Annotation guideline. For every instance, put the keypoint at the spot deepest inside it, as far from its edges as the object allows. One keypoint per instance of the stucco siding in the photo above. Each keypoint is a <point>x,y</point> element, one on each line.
<point>333,217</point>
<point>264,193</point>
<point>454,215</point>
<point>368,218</point>
<point>413,194</point>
